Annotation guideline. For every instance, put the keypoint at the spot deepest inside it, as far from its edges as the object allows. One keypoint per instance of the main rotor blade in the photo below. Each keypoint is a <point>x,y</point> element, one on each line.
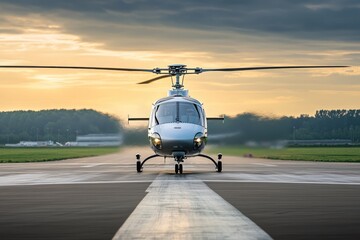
<point>264,68</point>
<point>154,79</point>
<point>84,68</point>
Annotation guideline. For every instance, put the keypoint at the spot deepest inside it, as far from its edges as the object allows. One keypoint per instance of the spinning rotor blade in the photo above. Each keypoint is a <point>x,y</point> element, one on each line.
<point>263,68</point>
<point>84,68</point>
<point>154,79</point>
<point>173,69</point>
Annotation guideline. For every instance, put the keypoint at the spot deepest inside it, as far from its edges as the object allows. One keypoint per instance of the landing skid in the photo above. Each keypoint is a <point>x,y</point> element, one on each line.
<point>178,166</point>
<point>139,164</point>
<point>218,165</point>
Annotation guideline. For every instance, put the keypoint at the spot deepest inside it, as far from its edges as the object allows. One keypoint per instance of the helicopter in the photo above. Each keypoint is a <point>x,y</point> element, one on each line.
<point>177,126</point>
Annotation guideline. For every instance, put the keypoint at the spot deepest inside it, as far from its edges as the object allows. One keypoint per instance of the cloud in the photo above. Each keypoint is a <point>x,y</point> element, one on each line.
<point>220,33</point>
<point>309,19</point>
<point>209,34</point>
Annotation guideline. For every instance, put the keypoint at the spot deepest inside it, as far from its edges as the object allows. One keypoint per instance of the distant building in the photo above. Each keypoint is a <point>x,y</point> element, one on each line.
<point>97,140</point>
<point>90,140</point>
<point>321,142</point>
<point>33,144</point>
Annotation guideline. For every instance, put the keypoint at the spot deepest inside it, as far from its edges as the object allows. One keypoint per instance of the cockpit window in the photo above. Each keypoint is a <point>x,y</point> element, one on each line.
<point>188,113</point>
<point>166,113</point>
<point>178,112</point>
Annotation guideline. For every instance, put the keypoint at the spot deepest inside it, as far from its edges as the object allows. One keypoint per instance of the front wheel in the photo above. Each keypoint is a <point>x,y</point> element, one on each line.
<point>176,168</point>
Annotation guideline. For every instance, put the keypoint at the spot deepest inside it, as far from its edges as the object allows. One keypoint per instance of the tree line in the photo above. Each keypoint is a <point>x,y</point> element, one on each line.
<point>64,125</point>
<point>57,125</point>
<point>324,125</point>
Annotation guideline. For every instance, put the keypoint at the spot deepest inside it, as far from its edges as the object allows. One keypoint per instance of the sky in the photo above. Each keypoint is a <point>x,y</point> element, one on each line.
<point>207,34</point>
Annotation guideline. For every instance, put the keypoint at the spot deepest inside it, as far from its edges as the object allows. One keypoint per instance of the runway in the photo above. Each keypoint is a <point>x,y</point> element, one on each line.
<point>104,198</point>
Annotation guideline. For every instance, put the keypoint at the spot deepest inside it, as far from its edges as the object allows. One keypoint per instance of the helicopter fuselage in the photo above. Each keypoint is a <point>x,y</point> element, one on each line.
<point>177,127</point>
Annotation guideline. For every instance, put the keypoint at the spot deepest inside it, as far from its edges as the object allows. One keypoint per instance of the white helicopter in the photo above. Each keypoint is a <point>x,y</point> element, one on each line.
<point>177,123</point>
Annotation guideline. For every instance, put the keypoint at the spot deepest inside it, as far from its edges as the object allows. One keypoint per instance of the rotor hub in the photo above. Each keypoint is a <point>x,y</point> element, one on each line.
<point>177,69</point>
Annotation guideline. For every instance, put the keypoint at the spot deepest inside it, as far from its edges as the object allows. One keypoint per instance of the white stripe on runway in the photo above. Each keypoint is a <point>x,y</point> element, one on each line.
<point>45,178</point>
<point>264,164</point>
<point>186,210</point>
<point>93,165</point>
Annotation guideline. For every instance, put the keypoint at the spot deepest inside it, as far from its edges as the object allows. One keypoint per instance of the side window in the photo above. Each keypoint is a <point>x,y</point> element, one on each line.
<point>152,118</point>
<point>202,114</point>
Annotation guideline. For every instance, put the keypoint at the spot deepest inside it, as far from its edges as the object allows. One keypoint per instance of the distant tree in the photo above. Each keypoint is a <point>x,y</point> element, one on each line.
<point>57,125</point>
<point>326,124</point>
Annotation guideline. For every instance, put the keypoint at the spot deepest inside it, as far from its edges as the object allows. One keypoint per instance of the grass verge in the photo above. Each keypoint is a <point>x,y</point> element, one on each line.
<point>17,155</point>
<point>325,154</point>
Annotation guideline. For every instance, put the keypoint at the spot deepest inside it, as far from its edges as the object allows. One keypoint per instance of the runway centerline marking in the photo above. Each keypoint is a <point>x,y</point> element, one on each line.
<point>265,164</point>
<point>93,165</point>
<point>184,207</point>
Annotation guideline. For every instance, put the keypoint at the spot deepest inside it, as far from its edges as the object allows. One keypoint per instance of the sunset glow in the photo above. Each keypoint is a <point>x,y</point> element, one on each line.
<point>46,35</point>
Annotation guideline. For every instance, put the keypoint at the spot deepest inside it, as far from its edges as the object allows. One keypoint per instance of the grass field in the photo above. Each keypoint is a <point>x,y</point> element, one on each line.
<point>8,155</point>
<point>326,154</point>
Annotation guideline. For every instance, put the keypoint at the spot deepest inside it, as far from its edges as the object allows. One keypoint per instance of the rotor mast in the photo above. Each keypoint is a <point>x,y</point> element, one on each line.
<point>177,70</point>
<point>174,71</point>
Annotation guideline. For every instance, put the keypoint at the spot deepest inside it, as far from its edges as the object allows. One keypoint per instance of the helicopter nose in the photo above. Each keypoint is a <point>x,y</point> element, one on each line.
<point>178,137</point>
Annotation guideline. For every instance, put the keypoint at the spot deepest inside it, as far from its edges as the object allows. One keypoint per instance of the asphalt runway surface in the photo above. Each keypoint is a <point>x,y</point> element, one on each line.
<point>105,198</point>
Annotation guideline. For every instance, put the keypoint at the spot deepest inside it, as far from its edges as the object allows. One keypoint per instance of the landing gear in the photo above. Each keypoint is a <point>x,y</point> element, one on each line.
<point>178,168</point>
<point>219,167</point>
<point>218,164</point>
<point>179,159</point>
<point>139,164</point>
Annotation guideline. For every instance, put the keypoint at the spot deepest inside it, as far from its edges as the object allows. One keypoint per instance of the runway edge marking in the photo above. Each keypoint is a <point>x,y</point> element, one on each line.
<point>186,209</point>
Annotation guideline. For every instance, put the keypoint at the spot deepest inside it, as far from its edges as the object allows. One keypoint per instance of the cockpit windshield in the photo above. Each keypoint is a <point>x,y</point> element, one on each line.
<point>178,112</point>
